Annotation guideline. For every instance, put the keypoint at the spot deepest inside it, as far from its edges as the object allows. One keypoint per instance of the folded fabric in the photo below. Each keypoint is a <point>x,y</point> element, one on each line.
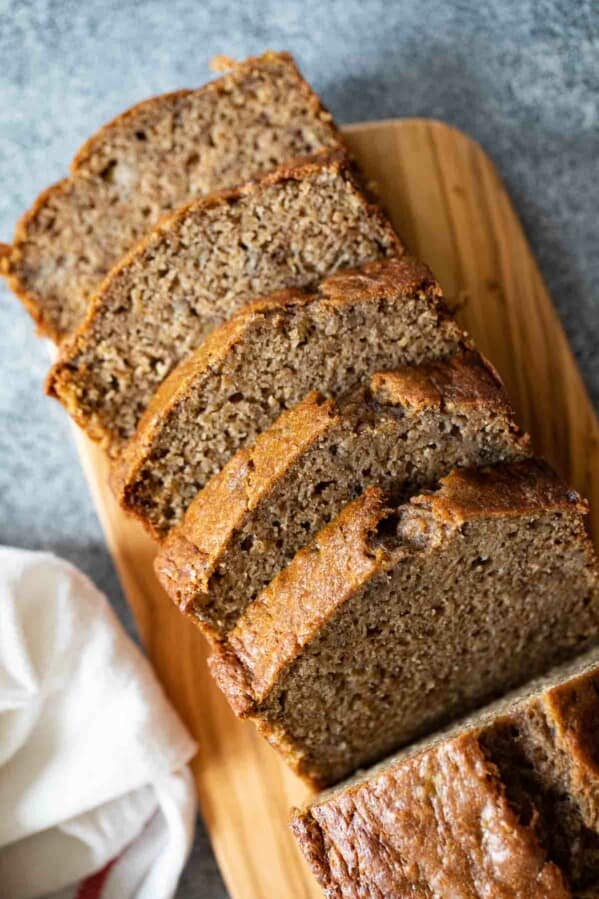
<point>93,759</point>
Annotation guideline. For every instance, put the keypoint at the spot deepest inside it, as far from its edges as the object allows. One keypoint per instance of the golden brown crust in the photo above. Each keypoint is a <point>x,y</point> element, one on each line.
<point>462,380</point>
<point>518,489</point>
<point>191,552</point>
<point>572,708</point>
<point>131,118</point>
<point>438,825</point>
<point>398,276</point>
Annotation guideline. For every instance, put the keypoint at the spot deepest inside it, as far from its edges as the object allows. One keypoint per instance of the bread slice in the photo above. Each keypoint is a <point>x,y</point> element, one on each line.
<point>505,804</point>
<point>264,361</point>
<point>395,620</point>
<point>154,158</point>
<point>287,229</point>
<point>404,431</point>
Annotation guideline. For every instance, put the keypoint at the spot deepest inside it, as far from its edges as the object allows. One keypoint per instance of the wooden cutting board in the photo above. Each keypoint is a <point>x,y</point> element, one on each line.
<point>450,208</point>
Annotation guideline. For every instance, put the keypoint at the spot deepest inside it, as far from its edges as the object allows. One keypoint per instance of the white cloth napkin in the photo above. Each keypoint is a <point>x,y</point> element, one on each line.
<point>93,759</point>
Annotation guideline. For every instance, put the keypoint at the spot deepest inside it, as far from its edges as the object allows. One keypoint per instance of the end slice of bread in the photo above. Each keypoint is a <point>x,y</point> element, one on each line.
<point>286,230</point>
<point>263,362</point>
<point>505,803</point>
<point>396,619</point>
<point>150,160</point>
<point>404,431</point>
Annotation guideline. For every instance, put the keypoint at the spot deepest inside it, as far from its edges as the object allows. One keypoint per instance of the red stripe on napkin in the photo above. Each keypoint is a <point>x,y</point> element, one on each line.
<point>91,887</point>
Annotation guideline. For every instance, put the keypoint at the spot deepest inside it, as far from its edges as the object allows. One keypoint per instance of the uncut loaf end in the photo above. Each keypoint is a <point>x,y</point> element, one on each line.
<point>287,229</point>
<point>395,620</point>
<point>263,362</point>
<point>150,160</point>
<point>504,804</point>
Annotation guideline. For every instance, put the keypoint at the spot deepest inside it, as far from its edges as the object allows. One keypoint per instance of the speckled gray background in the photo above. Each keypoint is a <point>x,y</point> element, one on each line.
<point>520,76</point>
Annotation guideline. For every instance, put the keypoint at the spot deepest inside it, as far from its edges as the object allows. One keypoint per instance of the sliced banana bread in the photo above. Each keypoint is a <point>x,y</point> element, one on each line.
<point>404,431</point>
<point>152,159</point>
<point>264,361</point>
<point>394,620</point>
<point>288,229</point>
<point>505,804</point>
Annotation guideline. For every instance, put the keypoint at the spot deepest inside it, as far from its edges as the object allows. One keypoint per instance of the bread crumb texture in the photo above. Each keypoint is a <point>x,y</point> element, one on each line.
<point>150,160</point>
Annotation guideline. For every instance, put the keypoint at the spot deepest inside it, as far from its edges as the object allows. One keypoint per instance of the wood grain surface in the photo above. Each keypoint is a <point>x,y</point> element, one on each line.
<point>450,208</point>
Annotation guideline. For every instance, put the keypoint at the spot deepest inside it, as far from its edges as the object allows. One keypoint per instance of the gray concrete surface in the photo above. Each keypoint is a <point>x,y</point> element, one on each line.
<point>520,76</point>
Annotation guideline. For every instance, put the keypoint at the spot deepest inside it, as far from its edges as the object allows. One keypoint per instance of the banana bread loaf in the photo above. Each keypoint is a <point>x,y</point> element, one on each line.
<point>404,431</point>
<point>395,620</point>
<point>288,229</point>
<point>154,158</point>
<point>264,361</point>
<point>505,804</point>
